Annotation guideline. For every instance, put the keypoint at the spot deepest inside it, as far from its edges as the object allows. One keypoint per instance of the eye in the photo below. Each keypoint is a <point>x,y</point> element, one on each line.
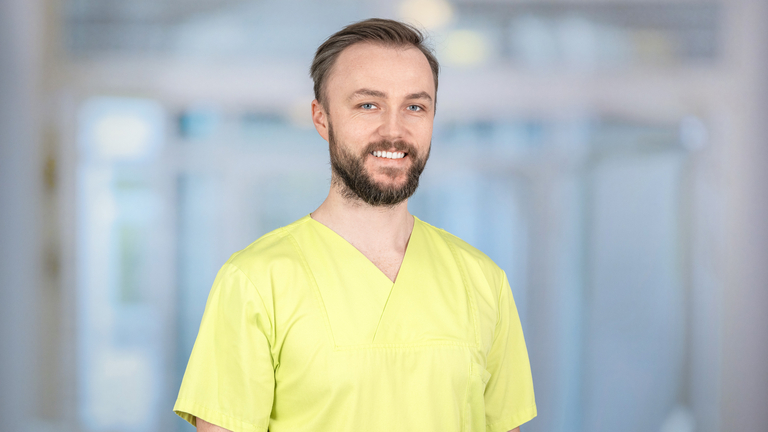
<point>367,106</point>
<point>415,108</point>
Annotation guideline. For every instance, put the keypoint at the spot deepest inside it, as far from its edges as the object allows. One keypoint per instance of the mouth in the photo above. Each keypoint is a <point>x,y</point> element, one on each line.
<point>388,154</point>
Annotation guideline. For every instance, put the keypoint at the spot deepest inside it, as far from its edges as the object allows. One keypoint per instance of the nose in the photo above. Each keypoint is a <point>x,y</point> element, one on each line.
<point>392,126</point>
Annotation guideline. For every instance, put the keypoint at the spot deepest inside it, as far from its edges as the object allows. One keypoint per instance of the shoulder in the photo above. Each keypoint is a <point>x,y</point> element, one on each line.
<point>484,280</point>
<point>273,252</point>
<point>477,265</point>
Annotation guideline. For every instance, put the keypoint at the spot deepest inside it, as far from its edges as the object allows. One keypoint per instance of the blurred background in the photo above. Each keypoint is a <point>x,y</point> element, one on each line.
<point>609,155</point>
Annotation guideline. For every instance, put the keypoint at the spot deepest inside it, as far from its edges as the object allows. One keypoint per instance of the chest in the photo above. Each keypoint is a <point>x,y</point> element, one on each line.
<point>374,348</point>
<point>386,261</point>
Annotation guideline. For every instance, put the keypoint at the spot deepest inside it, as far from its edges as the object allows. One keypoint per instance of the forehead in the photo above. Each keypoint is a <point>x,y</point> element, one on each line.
<point>388,69</point>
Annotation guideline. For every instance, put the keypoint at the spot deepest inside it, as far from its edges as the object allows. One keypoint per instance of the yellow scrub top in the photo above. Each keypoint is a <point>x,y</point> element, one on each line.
<point>301,332</point>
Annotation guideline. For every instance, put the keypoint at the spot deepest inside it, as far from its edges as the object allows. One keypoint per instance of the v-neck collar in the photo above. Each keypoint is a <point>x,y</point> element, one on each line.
<point>361,256</point>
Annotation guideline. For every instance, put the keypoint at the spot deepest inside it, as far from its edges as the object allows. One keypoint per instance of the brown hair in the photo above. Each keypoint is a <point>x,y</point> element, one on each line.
<point>376,30</point>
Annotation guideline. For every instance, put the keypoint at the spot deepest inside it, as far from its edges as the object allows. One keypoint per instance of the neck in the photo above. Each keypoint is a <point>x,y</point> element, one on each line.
<point>363,225</point>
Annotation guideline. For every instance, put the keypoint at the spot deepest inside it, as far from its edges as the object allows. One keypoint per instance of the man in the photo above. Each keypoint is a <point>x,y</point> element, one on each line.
<point>360,317</point>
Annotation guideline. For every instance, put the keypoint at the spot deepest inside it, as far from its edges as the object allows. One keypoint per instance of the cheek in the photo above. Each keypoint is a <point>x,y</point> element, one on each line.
<point>424,134</point>
<point>358,128</point>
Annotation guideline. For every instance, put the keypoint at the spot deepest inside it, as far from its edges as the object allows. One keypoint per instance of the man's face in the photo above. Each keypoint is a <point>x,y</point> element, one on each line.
<point>377,117</point>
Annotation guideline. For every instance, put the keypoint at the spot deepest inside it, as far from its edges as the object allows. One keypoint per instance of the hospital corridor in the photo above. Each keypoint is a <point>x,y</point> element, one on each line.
<point>608,155</point>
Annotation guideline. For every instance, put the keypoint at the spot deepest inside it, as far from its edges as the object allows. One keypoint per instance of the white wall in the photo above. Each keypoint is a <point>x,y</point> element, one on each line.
<point>21,192</point>
<point>745,294</point>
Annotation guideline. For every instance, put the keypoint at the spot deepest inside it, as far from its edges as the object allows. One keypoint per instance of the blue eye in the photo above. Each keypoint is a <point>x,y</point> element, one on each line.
<point>366,106</point>
<point>414,108</point>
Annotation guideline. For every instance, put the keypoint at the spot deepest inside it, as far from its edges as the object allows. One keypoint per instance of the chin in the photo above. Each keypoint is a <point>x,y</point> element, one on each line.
<point>389,183</point>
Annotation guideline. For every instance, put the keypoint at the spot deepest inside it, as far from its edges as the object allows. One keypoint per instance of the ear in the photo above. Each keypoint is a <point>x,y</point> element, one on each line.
<point>320,119</point>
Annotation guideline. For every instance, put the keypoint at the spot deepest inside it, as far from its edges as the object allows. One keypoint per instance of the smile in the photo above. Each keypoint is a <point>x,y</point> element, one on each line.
<point>388,155</point>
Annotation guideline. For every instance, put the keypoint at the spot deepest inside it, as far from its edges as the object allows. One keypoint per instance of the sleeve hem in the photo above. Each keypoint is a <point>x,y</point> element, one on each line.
<point>190,411</point>
<point>514,421</point>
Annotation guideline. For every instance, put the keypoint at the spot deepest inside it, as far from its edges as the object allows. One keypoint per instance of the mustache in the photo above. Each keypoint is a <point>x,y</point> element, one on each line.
<point>386,145</point>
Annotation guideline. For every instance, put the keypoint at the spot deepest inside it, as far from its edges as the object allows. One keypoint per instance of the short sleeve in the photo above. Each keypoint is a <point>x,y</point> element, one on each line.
<point>229,380</point>
<point>509,399</point>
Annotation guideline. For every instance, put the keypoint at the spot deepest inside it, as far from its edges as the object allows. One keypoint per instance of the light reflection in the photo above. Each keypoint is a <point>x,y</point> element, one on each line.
<point>466,48</point>
<point>431,14</point>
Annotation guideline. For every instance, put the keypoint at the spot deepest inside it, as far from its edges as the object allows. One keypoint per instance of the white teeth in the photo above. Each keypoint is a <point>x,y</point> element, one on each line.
<point>389,155</point>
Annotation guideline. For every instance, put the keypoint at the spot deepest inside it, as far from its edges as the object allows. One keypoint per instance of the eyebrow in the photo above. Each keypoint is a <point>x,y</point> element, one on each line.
<point>420,95</point>
<point>380,94</point>
<point>367,92</point>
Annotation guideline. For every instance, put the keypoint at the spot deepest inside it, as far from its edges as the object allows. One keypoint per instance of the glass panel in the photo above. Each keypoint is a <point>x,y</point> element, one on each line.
<point>121,316</point>
<point>635,328</point>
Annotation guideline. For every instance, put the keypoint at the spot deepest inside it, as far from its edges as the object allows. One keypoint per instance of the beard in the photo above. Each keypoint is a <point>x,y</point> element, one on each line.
<point>355,182</point>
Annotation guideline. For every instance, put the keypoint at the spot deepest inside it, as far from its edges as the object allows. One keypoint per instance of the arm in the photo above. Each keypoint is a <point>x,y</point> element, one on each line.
<point>204,426</point>
<point>509,399</point>
<point>235,331</point>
